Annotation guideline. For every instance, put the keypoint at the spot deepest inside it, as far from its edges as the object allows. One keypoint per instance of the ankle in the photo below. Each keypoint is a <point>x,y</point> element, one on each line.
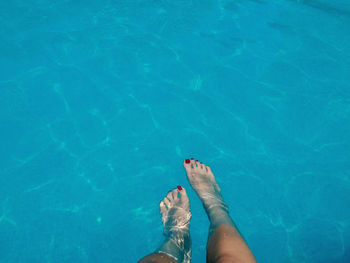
<point>169,247</point>
<point>218,216</point>
<point>177,245</point>
<point>218,210</point>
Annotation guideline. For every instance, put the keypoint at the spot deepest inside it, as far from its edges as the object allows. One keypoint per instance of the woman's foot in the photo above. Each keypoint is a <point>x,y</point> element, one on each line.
<point>203,182</point>
<point>176,216</point>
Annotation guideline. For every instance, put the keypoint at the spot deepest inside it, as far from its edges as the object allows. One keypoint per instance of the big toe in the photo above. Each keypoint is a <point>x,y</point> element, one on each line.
<point>188,164</point>
<point>183,195</point>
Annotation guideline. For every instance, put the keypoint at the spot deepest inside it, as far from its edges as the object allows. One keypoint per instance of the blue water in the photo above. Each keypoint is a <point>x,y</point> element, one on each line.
<point>101,101</point>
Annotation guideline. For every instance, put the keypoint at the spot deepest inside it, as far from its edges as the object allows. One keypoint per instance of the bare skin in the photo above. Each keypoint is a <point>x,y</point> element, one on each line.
<point>176,215</point>
<point>225,244</point>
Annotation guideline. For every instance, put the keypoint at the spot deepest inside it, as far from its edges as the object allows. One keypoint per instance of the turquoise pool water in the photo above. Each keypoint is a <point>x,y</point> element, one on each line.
<point>101,101</point>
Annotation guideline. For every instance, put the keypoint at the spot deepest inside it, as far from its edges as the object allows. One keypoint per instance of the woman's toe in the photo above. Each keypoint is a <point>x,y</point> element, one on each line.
<point>183,194</point>
<point>162,207</point>
<point>170,196</point>
<point>176,194</point>
<point>167,202</point>
<point>188,165</point>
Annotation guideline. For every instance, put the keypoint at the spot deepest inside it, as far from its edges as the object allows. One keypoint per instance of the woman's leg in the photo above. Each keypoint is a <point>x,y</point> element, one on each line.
<point>158,258</point>
<point>225,244</point>
<point>176,216</point>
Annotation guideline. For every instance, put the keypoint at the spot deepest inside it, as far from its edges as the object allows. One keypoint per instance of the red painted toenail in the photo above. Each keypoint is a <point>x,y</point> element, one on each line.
<point>192,159</point>
<point>187,161</point>
<point>196,160</point>
<point>179,187</point>
<point>169,191</point>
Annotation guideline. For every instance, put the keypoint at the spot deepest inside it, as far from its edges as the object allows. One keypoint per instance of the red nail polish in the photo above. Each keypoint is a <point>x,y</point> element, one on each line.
<point>192,159</point>
<point>179,187</point>
<point>169,191</point>
<point>187,161</point>
<point>196,160</point>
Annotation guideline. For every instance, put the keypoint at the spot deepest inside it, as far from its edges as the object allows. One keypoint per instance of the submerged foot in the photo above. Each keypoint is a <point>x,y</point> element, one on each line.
<point>175,210</point>
<point>203,182</point>
<point>176,216</point>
